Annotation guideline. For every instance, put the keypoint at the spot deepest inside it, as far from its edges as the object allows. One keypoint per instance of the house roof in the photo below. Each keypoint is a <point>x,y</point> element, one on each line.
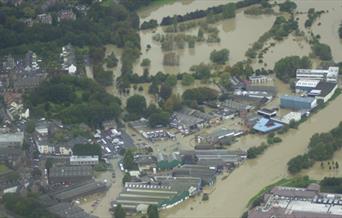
<point>325,88</point>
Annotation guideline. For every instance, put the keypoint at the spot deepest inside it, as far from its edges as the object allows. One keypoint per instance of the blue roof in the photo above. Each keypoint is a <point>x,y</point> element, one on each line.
<point>297,98</point>
<point>265,125</point>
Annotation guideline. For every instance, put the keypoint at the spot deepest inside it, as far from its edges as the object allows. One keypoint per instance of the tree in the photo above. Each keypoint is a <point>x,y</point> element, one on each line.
<point>322,51</point>
<point>145,62</point>
<point>48,163</point>
<point>30,126</point>
<point>165,91</point>
<point>159,118</point>
<point>104,77</point>
<point>285,68</point>
<point>229,10</point>
<point>337,165</point>
<point>126,178</point>
<point>241,69</point>
<point>152,211</point>
<point>220,56</point>
<point>287,6</point>
<point>187,79</point>
<point>136,104</point>
<point>298,163</point>
<point>87,150</point>
<point>153,88</point>
<point>202,72</point>
<point>119,212</point>
<point>340,31</point>
<point>112,61</point>
<point>128,161</point>
<point>173,103</point>
<point>171,80</point>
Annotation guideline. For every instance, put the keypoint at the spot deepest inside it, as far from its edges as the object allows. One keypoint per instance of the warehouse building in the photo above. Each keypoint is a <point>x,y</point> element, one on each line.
<point>164,192</point>
<point>84,160</point>
<point>329,75</point>
<point>205,173</point>
<point>265,125</point>
<point>79,190</point>
<point>323,91</point>
<point>70,174</point>
<point>297,102</point>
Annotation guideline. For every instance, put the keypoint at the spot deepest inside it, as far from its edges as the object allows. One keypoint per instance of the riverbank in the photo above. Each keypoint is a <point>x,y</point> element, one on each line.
<point>230,197</point>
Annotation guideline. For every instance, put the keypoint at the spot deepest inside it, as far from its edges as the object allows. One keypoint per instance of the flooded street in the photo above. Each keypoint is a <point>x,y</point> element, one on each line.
<point>230,196</point>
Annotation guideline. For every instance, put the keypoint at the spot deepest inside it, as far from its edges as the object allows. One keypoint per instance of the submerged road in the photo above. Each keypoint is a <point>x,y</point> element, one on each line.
<point>230,196</point>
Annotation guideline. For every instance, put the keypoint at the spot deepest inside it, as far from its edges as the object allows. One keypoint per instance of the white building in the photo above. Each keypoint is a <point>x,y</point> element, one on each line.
<point>84,160</point>
<point>329,75</point>
<point>306,85</point>
<point>295,116</point>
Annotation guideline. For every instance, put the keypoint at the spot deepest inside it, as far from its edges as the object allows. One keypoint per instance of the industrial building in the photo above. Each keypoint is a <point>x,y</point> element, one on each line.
<point>11,139</point>
<point>205,173</point>
<point>265,125</point>
<point>297,102</point>
<point>220,136</point>
<point>84,160</point>
<point>268,113</point>
<point>80,190</point>
<point>70,174</point>
<point>323,91</point>
<point>329,75</point>
<point>164,193</point>
<point>290,202</point>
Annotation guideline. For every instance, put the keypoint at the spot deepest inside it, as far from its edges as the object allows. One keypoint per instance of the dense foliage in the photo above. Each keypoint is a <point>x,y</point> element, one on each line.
<point>287,6</point>
<point>195,96</point>
<point>105,23</point>
<point>87,150</point>
<point>128,161</point>
<point>253,152</point>
<point>312,16</point>
<point>285,68</point>
<point>331,185</point>
<point>321,147</point>
<point>119,212</point>
<point>228,11</point>
<point>322,51</point>
<point>340,31</point>
<point>152,211</point>
<point>136,105</point>
<point>103,77</point>
<point>27,207</point>
<point>149,24</point>
<point>73,100</point>
<point>298,163</point>
<point>220,56</point>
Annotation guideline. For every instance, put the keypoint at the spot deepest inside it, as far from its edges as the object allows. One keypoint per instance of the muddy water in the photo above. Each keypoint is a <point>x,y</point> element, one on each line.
<point>182,7</point>
<point>330,22</point>
<point>236,35</point>
<point>231,195</point>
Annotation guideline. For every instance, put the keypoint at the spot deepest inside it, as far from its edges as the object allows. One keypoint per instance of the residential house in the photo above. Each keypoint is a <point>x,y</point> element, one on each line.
<point>44,18</point>
<point>69,59</point>
<point>66,15</point>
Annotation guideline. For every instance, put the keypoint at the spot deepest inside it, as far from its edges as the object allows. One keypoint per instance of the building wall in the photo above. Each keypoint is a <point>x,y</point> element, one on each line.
<point>327,97</point>
<point>296,104</point>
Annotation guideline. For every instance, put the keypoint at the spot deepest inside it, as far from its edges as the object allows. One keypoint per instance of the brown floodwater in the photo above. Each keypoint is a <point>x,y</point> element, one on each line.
<point>231,195</point>
<point>236,35</point>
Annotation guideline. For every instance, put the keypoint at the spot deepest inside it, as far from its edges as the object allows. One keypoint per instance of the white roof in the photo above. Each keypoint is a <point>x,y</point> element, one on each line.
<point>307,83</point>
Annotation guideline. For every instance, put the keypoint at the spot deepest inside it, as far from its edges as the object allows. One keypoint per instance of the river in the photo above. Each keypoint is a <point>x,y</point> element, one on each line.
<point>231,195</point>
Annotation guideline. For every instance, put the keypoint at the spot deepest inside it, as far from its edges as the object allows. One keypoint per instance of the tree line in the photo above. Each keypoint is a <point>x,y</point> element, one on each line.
<point>321,147</point>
